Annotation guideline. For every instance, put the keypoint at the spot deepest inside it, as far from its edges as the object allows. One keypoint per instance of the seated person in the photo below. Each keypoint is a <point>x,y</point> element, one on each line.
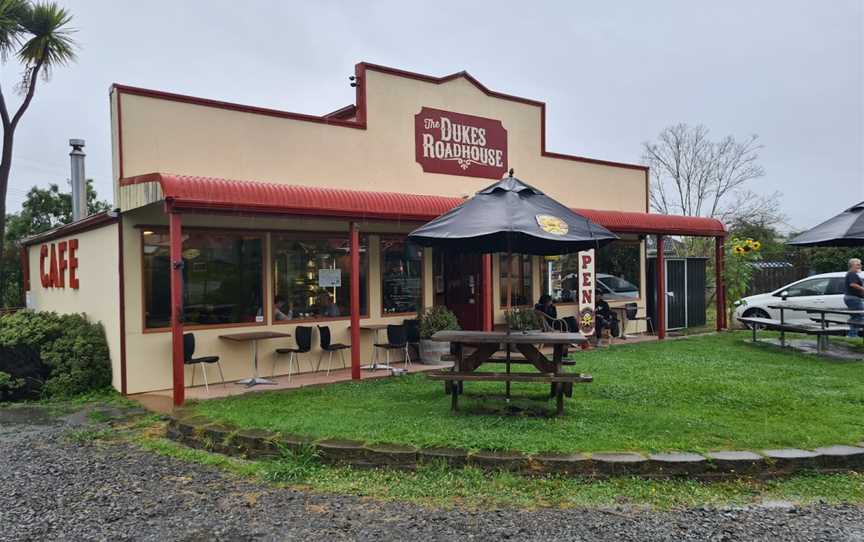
<point>326,307</point>
<point>280,311</point>
<point>545,305</point>
<point>604,317</point>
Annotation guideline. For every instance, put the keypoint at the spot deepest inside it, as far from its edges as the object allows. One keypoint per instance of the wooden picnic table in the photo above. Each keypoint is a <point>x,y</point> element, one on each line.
<point>254,337</point>
<point>487,343</point>
<point>822,338</point>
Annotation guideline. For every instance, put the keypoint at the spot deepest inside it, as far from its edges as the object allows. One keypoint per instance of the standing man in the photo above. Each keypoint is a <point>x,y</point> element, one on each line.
<point>854,295</point>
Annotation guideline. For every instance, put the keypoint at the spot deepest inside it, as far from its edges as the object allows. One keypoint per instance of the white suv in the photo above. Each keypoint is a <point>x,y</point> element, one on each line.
<point>825,290</point>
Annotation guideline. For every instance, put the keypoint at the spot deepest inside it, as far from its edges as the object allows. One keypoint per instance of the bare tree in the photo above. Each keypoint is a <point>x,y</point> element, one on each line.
<point>695,176</point>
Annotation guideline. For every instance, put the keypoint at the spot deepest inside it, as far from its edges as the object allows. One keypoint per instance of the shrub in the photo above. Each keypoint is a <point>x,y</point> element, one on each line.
<point>435,319</point>
<point>523,319</point>
<point>52,355</point>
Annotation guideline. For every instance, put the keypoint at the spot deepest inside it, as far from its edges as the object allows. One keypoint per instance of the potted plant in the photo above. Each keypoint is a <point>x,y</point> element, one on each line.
<point>523,320</point>
<point>433,320</point>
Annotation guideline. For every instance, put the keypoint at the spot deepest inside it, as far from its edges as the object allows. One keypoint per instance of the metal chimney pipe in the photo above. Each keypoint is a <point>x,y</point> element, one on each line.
<point>79,182</point>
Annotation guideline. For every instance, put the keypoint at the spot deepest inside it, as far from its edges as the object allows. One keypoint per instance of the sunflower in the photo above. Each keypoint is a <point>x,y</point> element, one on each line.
<point>757,245</point>
<point>738,250</point>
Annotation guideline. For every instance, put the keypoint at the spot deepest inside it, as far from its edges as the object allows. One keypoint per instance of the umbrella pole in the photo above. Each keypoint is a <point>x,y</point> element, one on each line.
<point>508,314</point>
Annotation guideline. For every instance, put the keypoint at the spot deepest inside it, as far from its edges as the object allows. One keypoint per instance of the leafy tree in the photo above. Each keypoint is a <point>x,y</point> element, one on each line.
<point>37,34</point>
<point>44,209</point>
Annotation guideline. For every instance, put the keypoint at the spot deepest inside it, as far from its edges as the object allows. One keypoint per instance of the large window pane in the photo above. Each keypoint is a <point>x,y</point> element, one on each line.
<point>617,267</point>
<point>222,278</point>
<point>312,277</point>
<point>401,276</point>
<point>520,279</point>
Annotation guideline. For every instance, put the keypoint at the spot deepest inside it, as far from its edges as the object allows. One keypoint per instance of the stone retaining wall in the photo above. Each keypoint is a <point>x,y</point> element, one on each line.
<point>199,432</point>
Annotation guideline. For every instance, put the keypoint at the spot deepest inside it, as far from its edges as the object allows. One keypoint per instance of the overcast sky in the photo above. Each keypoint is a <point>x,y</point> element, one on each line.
<point>613,74</point>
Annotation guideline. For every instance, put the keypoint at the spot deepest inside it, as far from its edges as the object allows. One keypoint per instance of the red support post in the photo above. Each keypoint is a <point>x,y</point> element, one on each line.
<point>176,257</point>
<point>661,289</point>
<point>355,302</point>
<point>488,323</point>
<point>719,297</point>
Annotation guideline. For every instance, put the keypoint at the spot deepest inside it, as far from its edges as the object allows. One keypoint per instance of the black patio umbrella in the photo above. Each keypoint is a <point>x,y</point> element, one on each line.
<point>512,216</point>
<point>843,230</point>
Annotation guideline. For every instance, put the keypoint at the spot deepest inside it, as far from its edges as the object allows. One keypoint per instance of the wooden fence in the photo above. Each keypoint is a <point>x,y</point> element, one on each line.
<point>768,279</point>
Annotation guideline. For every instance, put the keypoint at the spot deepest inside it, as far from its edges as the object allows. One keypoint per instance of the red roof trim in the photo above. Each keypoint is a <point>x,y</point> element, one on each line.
<point>170,96</point>
<point>224,195</point>
<point>91,222</point>
<point>344,113</point>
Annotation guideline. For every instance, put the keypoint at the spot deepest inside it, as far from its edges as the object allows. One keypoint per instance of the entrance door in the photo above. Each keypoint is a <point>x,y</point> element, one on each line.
<point>460,277</point>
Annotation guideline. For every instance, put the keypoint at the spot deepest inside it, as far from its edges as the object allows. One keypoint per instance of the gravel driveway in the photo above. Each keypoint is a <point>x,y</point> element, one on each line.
<point>54,489</point>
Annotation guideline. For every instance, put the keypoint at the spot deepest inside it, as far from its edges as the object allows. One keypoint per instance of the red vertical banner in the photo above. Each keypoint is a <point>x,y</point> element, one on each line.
<point>355,301</point>
<point>176,256</point>
<point>661,288</point>
<point>587,301</point>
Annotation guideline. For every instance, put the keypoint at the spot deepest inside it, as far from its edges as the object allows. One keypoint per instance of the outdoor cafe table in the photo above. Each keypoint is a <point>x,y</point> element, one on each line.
<point>376,331</point>
<point>821,340</point>
<point>487,343</point>
<point>254,337</point>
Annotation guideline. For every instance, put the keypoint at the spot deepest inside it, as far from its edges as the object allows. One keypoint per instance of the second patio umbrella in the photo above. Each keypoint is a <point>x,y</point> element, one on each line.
<point>843,230</point>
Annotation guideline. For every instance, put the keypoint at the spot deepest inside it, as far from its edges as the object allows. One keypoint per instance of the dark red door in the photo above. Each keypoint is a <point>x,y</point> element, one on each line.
<point>463,293</point>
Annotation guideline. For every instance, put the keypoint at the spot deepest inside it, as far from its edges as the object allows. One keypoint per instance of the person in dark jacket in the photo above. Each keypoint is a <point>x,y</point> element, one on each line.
<point>854,295</point>
<point>604,317</point>
<point>545,305</point>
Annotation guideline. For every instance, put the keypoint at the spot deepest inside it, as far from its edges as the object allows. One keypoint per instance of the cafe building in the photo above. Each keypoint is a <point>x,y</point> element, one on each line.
<point>233,218</point>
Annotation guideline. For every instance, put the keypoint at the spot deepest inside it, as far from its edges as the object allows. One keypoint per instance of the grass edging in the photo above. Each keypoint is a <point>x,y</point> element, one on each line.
<point>197,431</point>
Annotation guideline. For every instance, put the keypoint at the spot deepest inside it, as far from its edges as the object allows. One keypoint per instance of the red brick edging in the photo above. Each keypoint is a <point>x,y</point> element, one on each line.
<point>200,432</point>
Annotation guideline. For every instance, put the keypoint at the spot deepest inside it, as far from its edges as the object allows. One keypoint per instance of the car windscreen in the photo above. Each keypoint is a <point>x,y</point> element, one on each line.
<point>618,285</point>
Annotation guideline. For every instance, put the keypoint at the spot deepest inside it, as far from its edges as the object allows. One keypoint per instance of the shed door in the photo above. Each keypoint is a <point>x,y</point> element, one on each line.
<point>676,294</point>
<point>695,292</point>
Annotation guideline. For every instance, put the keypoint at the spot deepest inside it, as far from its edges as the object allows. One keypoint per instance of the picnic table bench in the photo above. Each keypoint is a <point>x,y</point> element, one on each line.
<point>485,347</point>
<point>822,328</point>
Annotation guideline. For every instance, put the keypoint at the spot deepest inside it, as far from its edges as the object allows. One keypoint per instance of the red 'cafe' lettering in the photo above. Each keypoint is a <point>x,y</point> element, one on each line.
<point>61,258</point>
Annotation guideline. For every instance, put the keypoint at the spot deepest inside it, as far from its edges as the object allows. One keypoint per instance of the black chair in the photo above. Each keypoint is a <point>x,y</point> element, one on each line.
<point>631,312</point>
<point>327,346</point>
<point>189,351</point>
<point>303,336</point>
<point>396,340</point>
<point>412,335</point>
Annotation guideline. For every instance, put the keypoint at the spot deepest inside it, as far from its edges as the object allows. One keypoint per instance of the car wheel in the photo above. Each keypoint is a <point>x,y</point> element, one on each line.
<point>755,313</point>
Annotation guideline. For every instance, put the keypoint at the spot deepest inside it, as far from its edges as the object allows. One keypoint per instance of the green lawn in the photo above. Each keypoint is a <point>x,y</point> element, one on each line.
<point>697,394</point>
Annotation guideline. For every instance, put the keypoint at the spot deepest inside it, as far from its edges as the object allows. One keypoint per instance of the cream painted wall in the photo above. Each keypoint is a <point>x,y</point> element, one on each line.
<point>97,296</point>
<point>165,136</point>
<point>148,357</point>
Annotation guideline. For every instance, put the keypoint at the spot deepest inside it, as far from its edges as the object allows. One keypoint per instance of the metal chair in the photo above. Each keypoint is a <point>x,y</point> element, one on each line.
<point>303,336</point>
<point>631,312</point>
<point>549,323</point>
<point>327,346</point>
<point>189,351</point>
<point>412,336</point>
<point>396,340</point>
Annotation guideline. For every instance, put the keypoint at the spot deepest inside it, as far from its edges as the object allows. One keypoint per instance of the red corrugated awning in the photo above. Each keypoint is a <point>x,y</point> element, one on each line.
<point>207,193</point>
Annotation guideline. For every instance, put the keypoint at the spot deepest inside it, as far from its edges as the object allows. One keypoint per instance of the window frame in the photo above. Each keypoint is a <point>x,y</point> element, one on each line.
<point>239,231</point>
<point>502,288</point>
<point>322,236</point>
<point>638,299</point>
<point>422,299</point>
